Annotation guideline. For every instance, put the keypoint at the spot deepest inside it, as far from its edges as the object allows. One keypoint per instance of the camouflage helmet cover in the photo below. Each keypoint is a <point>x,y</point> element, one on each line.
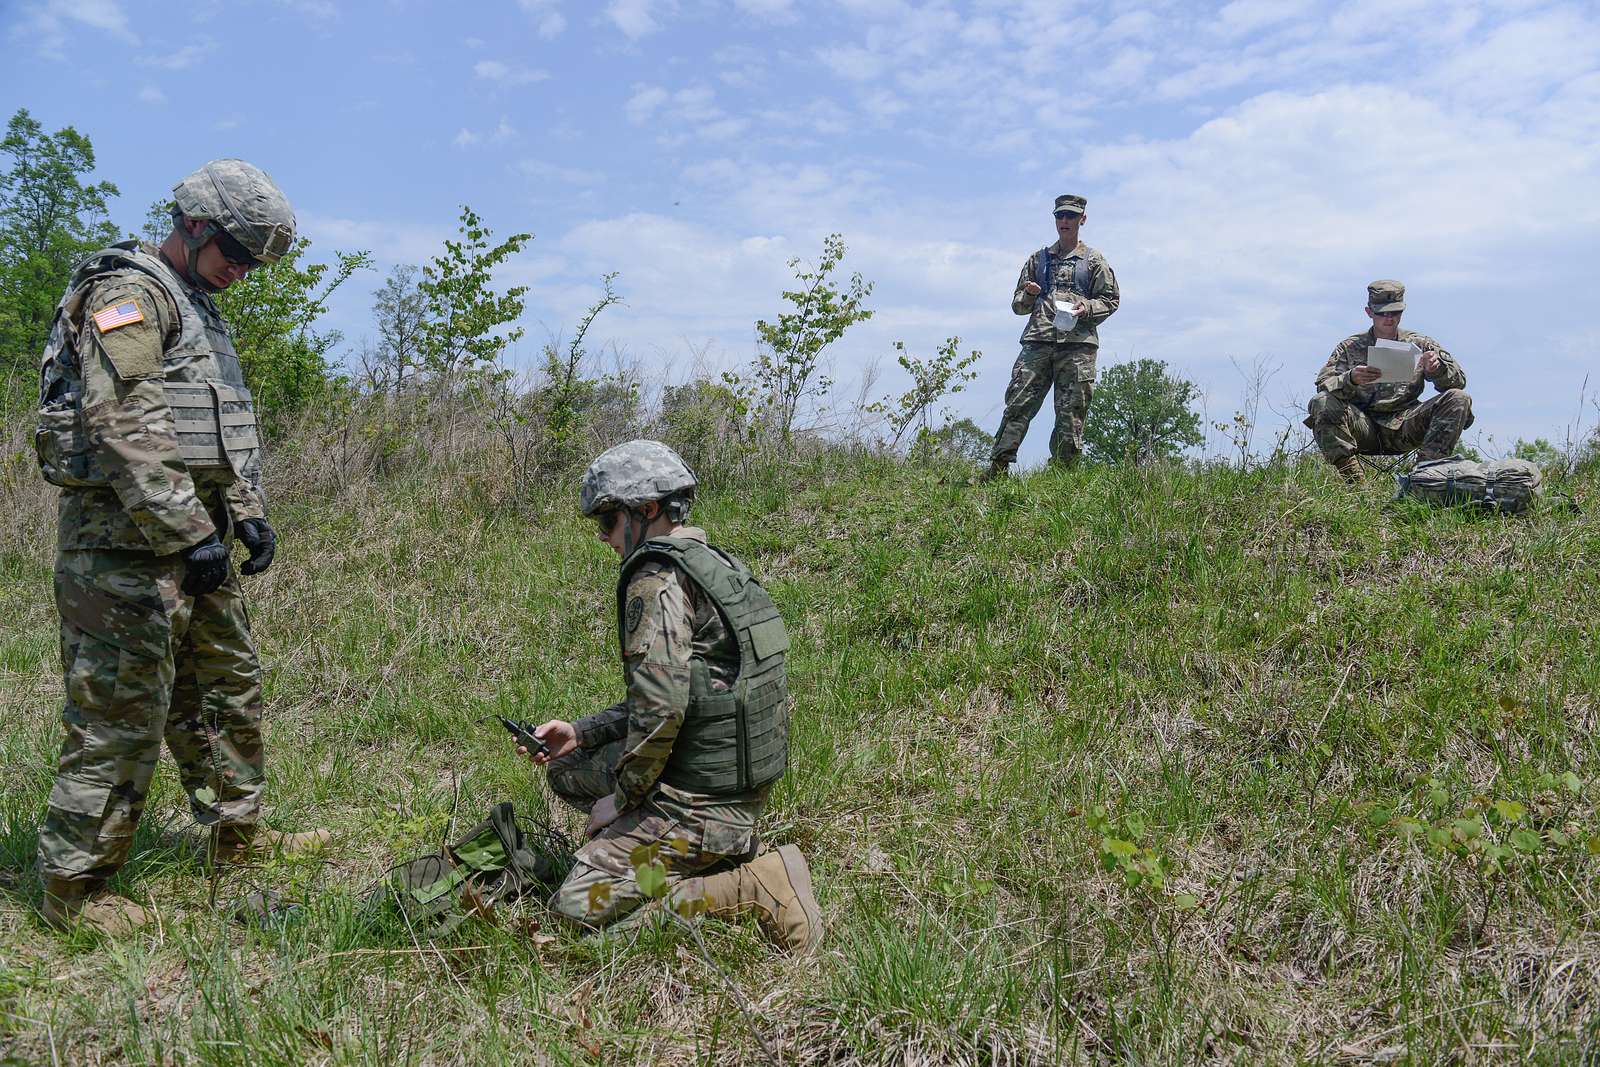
<point>631,474</point>
<point>243,200</point>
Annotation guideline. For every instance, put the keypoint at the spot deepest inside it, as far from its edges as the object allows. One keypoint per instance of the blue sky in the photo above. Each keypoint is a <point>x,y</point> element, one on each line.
<point>1249,165</point>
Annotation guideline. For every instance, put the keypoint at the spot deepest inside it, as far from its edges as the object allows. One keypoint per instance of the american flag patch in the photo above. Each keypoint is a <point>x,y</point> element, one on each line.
<point>124,314</point>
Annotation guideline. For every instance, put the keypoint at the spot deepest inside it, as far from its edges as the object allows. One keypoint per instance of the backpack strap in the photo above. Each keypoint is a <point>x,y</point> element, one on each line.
<point>1041,270</point>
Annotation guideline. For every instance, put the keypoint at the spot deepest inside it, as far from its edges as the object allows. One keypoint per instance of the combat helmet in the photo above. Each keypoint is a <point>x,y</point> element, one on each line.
<point>242,201</point>
<point>631,474</point>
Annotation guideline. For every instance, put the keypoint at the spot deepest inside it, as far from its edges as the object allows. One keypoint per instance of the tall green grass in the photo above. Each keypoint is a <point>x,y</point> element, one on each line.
<point>1269,688</point>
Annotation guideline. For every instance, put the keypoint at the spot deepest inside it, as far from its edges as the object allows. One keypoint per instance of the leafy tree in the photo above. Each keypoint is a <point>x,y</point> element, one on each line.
<point>49,219</point>
<point>401,314</point>
<point>1540,452</point>
<point>462,327</point>
<point>272,312</point>
<point>785,371</point>
<point>962,439</point>
<point>1141,413</point>
<point>701,420</point>
<point>567,394</point>
<point>931,381</point>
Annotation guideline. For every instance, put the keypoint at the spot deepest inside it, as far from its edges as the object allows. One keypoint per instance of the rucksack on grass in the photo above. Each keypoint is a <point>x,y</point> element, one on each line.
<point>1505,485</point>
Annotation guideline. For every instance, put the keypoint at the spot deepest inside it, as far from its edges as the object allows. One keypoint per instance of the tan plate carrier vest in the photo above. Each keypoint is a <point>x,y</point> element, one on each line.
<point>733,740</point>
<point>213,412</point>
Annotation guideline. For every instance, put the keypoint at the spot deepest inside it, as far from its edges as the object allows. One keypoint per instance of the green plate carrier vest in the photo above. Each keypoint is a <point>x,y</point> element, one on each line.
<point>213,412</point>
<point>733,740</point>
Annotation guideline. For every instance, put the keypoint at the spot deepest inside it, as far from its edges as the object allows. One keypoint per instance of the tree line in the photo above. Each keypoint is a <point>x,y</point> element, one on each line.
<point>442,329</point>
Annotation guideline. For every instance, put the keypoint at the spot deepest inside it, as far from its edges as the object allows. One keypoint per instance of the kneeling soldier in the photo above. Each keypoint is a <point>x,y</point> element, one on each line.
<point>1355,414</point>
<point>686,761</point>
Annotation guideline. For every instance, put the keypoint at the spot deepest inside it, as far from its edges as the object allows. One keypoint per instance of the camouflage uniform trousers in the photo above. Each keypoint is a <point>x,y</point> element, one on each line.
<point>141,661</point>
<point>1432,427</point>
<point>716,833</point>
<point>1067,367</point>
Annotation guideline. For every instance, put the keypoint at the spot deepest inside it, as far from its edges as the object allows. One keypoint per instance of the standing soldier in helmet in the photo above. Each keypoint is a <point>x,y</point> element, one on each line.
<point>146,425</point>
<point>686,760</point>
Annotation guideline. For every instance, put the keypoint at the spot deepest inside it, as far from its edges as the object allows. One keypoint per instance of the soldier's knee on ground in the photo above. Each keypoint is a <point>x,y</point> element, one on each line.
<point>591,898</point>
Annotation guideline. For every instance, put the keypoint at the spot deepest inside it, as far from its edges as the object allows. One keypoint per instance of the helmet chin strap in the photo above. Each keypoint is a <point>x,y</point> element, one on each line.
<point>194,244</point>
<point>632,521</point>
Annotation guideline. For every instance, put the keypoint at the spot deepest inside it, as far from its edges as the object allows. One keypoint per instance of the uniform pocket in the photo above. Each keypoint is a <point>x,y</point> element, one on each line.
<point>110,684</point>
<point>114,815</point>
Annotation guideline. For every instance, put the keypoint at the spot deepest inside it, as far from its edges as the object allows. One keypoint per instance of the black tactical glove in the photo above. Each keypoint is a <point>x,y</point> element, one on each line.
<point>262,543</point>
<point>205,567</point>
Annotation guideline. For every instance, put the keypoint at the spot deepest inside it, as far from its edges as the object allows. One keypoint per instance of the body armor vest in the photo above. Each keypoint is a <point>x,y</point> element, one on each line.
<point>737,739</point>
<point>213,412</point>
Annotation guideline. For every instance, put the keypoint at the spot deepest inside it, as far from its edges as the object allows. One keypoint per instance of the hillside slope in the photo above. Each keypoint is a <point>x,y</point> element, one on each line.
<point>1156,767</point>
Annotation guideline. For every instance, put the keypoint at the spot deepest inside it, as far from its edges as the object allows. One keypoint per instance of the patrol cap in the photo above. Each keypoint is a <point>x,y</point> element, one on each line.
<point>1386,294</point>
<point>1070,204</point>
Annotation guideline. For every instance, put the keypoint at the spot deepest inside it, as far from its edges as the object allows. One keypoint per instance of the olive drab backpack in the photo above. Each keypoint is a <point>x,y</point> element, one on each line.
<point>1508,486</point>
<point>494,863</point>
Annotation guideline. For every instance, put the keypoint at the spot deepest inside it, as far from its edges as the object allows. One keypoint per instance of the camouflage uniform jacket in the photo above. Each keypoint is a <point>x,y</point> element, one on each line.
<point>1385,402</point>
<point>155,503</point>
<point>670,623</point>
<point>1100,301</point>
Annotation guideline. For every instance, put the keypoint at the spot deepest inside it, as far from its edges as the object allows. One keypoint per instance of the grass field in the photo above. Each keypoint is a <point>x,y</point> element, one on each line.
<point>1110,766</point>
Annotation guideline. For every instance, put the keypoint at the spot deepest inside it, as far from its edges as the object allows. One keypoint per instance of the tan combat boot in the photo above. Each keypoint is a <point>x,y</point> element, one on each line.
<point>995,471</point>
<point>248,842</point>
<point>1349,468</point>
<point>72,901</point>
<point>777,885</point>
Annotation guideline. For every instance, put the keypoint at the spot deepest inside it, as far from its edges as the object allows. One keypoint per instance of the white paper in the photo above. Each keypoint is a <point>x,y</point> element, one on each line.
<point>1064,318</point>
<point>1396,359</point>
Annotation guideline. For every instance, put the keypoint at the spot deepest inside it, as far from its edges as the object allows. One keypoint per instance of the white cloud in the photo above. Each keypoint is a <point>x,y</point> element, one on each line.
<point>547,18</point>
<point>642,106</point>
<point>688,112</point>
<point>1244,16</point>
<point>853,62</point>
<point>507,74</point>
<point>47,24</point>
<point>182,59</point>
<point>503,132</point>
<point>545,171</point>
<point>390,241</point>
<point>149,94</point>
<point>776,10</point>
<point>638,18</point>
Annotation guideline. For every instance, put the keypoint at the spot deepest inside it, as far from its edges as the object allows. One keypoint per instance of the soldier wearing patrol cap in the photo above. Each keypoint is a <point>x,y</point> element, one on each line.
<point>1066,289</point>
<point>147,427</point>
<point>684,763</point>
<point>1354,414</point>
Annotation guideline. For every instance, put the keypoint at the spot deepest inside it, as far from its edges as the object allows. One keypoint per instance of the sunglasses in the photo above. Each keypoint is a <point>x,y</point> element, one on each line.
<point>607,521</point>
<point>233,251</point>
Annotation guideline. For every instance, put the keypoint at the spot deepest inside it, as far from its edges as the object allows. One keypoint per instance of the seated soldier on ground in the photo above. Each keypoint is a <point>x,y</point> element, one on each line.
<point>1354,414</point>
<point>687,759</point>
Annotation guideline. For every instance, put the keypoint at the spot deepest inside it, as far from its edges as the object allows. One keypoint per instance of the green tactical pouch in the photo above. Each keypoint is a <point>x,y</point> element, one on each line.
<point>494,863</point>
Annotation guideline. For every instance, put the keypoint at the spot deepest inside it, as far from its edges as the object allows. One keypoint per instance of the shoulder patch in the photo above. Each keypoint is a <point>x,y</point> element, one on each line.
<point>122,313</point>
<point>635,613</point>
